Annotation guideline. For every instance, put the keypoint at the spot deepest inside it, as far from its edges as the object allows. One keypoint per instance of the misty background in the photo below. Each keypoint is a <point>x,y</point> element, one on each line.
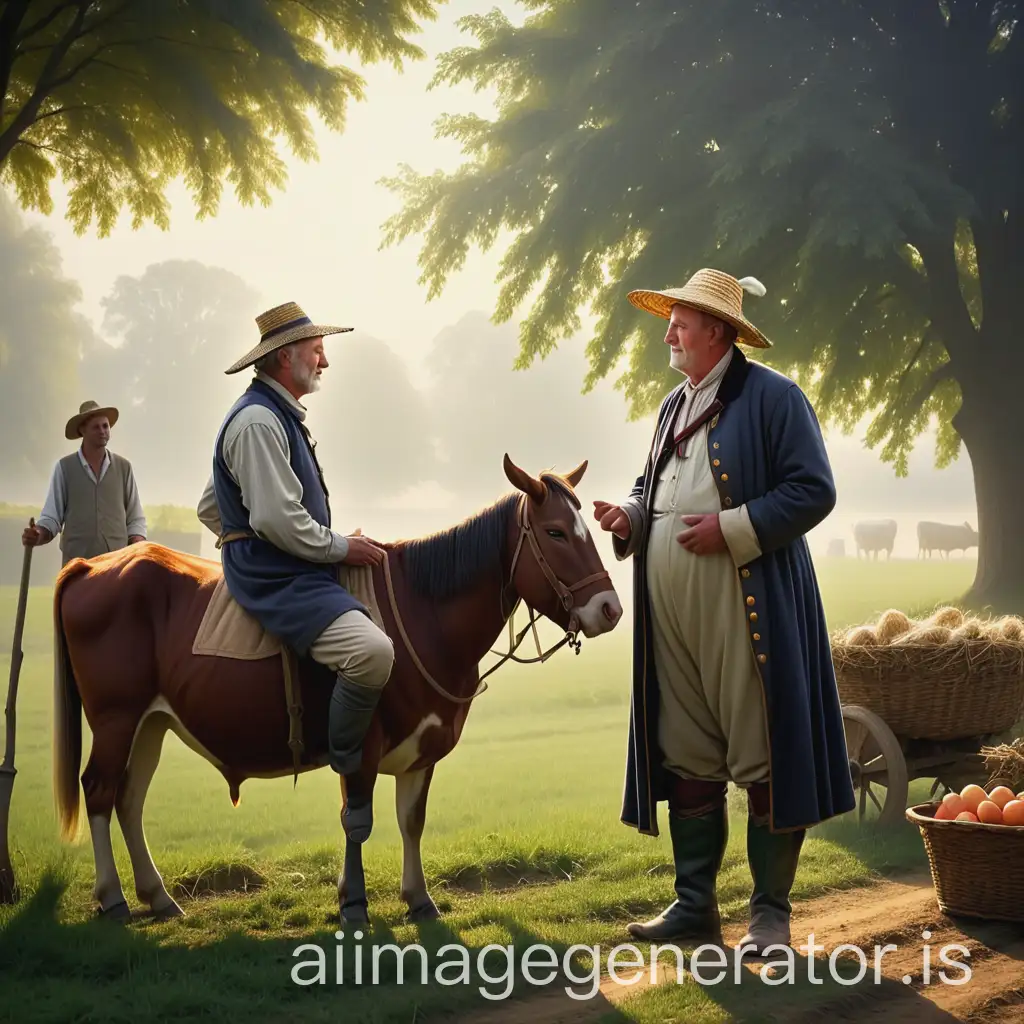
<point>421,400</point>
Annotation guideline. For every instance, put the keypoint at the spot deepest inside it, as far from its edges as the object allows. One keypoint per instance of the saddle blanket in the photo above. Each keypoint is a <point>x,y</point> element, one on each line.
<point>229,631</point>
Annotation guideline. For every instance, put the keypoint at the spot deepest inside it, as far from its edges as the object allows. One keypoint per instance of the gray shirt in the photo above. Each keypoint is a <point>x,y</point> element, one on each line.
<point>55,508</point>
<point>258,457</point>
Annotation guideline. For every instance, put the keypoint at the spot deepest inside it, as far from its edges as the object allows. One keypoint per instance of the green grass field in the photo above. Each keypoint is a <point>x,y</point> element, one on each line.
<point>523,845</point>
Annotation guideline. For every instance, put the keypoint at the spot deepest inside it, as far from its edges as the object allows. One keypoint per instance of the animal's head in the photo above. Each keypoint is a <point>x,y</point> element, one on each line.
<point>564,544</point>
<point>971,532</point>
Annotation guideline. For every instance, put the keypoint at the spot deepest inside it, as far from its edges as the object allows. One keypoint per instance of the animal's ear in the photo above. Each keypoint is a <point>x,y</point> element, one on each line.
<point>576,475</point>
<point>522,481</point>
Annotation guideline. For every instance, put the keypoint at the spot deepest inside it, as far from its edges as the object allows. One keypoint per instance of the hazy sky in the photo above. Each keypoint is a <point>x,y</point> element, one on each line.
<point>317,244</point>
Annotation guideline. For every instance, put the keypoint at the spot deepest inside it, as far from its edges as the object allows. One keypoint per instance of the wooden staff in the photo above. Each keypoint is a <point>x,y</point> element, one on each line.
<point>8,883</point>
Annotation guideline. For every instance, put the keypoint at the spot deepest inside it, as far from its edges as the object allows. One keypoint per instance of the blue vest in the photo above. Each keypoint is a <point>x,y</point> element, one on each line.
<point>290,597</point>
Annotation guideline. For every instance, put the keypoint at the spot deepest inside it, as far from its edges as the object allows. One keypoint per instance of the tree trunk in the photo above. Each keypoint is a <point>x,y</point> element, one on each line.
<point>991,424</point>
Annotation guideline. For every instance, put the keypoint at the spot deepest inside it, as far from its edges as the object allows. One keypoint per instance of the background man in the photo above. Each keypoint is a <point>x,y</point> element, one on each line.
<point>268,504</point>
<point>733,676</point>
<point>93,500</point>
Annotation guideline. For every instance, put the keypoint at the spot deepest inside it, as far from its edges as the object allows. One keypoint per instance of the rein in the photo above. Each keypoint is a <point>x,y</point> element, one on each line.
<point>565,596</point>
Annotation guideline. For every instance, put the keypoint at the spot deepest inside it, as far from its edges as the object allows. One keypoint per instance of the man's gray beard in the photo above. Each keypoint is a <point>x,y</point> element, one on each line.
<point>307,378</point>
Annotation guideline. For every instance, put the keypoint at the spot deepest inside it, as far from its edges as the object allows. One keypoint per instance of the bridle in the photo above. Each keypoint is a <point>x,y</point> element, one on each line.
<point>566,596</point>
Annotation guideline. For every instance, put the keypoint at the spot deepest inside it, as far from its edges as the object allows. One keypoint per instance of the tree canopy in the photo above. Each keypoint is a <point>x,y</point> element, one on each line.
<point>862,158</point>
<point>120,97</point>
<point>168,336</point>
<point>42,333</point>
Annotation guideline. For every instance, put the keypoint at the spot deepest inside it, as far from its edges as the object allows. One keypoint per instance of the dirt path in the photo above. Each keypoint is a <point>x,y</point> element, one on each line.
<point>902,913</point>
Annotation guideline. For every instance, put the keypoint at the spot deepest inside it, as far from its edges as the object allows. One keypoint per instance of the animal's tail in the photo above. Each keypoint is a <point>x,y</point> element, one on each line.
<point>67,719</point>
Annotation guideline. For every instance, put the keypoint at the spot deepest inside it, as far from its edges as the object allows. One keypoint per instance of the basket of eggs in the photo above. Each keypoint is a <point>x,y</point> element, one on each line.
<point>975,845</point>
<point>948,677</point>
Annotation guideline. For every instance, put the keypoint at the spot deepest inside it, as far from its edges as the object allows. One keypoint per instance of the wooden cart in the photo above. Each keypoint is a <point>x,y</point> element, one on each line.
<point>924,713</point>
<point>883,764</point>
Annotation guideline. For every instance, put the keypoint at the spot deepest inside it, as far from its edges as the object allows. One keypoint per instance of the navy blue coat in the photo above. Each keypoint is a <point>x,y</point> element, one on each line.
<point>289,597</point>
<point>768,444</point>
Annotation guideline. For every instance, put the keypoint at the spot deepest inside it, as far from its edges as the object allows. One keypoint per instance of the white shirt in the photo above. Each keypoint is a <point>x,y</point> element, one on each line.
<point>257,456</point>
<point>698,398</point>
<point>738,531</point>
<point>55,508</point>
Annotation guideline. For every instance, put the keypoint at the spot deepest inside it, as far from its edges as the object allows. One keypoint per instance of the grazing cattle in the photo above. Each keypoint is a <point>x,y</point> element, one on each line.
<point>944,537</point>
<point>125,623</point>
<point>872,536</point>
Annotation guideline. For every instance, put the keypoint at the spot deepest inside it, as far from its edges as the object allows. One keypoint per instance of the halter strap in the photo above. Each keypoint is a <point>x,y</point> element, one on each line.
<point>564,592</point>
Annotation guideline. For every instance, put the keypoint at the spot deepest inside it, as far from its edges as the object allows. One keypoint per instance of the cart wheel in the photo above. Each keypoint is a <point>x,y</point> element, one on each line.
<point>877,765</point>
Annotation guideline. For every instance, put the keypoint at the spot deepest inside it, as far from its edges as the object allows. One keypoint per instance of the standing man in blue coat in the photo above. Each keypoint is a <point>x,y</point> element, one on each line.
<point>732,671</point>
<point>268,504</point>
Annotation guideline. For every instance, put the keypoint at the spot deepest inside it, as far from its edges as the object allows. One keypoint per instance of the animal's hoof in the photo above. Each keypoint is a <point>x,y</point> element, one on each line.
<point>168,913</point>
<point>423,912</point>
<point>118,913</point>
<point>355,913</point>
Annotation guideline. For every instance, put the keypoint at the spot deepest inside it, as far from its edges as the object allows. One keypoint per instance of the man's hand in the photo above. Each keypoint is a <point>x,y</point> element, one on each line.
<point>32,536</point>
<point>362,551</point>
<point>613,519</point>
<point>136,538</point>
<point>704,537</point>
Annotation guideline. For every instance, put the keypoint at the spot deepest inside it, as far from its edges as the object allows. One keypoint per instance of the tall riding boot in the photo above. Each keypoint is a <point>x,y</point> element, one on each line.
<point>348,721</point>
<point>699,827</point>
<point>773,859</point>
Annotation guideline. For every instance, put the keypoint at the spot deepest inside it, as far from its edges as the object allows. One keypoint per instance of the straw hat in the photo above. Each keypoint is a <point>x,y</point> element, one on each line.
<point>86,410</point>
<point>712,292</point>
<point>281,326</point>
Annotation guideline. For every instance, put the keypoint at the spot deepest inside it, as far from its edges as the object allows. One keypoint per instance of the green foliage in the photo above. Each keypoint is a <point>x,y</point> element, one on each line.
<point>11,511</point>
<point>121,97</point>
<point>171,519</point>
<point>859,158</point>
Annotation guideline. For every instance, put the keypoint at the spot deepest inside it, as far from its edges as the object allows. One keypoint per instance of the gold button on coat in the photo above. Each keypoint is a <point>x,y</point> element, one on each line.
<point>728,501</point>
<point>717,462</point>
<point>744,573</point>
<point>753,616</point>
<point>762,658</point>
<point>757,636</point>
<point>750,600</point>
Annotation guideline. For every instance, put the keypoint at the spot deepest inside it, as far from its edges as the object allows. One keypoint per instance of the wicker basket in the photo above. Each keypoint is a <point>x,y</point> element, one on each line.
<point>977,869</point>
<point>936,692</point>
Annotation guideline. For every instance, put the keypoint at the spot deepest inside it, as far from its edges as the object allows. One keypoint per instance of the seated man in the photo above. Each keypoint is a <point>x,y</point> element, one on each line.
<point>267,503</point>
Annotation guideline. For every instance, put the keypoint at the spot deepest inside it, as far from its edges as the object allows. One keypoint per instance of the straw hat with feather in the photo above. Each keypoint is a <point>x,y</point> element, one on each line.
<point>710,291</point>
<point>281,326</point>
<point>73,428</point>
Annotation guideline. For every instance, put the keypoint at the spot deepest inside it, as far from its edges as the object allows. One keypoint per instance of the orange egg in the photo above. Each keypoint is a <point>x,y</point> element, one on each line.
<point>973,795</point>
<point>1013,813</point>
<point>943,813</point>
<point>990,813</point>
<point>1020,796</point>
<point>954,804</point>
<point>1001,796</point>
<point>966,816</point>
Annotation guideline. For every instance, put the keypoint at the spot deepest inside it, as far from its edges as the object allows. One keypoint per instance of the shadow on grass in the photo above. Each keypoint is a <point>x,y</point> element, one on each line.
<point>790,989</point>
<point>881,849</point>
<point>54,971</point>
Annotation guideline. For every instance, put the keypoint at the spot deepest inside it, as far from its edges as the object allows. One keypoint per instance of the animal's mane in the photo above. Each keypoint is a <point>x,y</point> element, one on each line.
<point>442,564</point>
